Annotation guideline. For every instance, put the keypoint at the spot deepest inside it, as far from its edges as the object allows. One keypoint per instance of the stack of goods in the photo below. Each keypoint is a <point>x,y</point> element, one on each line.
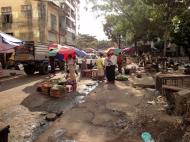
<point>57,87</point>
<point>94,74</point>
<point>44,87</point>
<point>87,73</point>
<point>122,78</point>
<point>73,84</point>
<point>57,91</point>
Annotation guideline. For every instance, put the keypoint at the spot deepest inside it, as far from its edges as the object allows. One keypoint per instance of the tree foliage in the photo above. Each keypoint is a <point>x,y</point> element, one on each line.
<point>135,20</point>
<point>86,41</point>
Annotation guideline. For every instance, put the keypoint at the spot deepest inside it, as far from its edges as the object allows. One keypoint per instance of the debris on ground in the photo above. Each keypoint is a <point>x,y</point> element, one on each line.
<point>151,102</point>
<point>146,136</point>
<point>121,77</point>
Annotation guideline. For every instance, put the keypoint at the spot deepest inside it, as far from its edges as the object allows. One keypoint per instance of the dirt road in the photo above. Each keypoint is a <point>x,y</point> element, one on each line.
<point>113,113</point>
<point>24,109</point>
<point>13,109</point>
<point>116,113</point>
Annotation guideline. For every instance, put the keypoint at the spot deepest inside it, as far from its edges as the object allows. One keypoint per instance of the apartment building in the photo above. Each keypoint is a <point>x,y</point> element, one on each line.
<point>71,8</point>
<point>40,21</point>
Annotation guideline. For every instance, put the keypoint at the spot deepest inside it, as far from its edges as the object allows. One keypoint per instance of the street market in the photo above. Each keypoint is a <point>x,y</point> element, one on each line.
<point>94,71</point>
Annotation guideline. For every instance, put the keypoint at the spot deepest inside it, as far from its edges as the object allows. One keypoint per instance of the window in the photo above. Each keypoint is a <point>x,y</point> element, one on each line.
<point>73,37</point>
<point>62,23</point>
<point>6,15</point>
<point>26,11</point>
<point>53,22</point>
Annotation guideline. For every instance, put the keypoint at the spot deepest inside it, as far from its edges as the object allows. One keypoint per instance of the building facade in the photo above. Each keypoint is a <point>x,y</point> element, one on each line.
<point>71,7</point>
<point>40,21</point>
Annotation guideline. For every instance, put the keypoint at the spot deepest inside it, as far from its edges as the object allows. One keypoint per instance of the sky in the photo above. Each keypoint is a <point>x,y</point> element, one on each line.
<point>89,23</point>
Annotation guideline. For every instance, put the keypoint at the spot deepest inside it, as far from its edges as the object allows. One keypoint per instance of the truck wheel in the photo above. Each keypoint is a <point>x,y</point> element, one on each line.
<point>44,69</point>
<point>29,69</point>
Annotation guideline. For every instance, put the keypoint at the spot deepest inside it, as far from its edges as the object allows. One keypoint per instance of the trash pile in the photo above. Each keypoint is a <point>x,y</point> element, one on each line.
<point>57,87</point>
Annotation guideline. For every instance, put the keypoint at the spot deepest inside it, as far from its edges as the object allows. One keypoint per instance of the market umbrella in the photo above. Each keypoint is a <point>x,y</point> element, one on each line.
<point>113,50</point>
<point>80,53</point>
<point>54,46</point>
<point>65,52</point>
<point>53,52</point>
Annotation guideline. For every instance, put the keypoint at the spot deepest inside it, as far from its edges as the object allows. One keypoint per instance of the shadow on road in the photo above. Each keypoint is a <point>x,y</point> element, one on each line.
<point>39,102</point>
<point>20,80</point>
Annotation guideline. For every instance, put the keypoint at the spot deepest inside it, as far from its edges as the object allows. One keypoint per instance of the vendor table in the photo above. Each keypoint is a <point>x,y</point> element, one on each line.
<point>170,79</point>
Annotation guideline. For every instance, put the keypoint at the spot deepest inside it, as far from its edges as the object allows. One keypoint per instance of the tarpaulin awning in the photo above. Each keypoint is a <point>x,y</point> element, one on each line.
<point>7,43</point>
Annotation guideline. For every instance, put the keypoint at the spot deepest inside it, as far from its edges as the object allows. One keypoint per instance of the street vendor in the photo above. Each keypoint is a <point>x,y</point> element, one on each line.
<point>83,66</point>
<point>100,67</point>
<point>71,78</point>
<point>71,68</point>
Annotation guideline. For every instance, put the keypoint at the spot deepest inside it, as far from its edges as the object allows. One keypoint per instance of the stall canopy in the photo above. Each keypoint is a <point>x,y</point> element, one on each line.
<point>7,43</point>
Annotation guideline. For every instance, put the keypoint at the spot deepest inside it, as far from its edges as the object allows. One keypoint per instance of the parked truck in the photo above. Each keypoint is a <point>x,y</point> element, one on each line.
<point>33,57</point>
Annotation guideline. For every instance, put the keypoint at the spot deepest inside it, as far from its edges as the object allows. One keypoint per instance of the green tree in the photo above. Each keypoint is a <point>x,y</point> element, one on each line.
<point>86,41</point>
<point>135,20</point>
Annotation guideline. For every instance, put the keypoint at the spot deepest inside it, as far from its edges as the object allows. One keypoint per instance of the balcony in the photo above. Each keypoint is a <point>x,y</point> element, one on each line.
<point>68,3</point>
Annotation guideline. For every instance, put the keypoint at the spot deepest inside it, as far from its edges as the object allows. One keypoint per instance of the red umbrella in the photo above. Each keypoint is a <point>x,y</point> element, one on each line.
<point>65,52</point>
<point>54,46</point>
